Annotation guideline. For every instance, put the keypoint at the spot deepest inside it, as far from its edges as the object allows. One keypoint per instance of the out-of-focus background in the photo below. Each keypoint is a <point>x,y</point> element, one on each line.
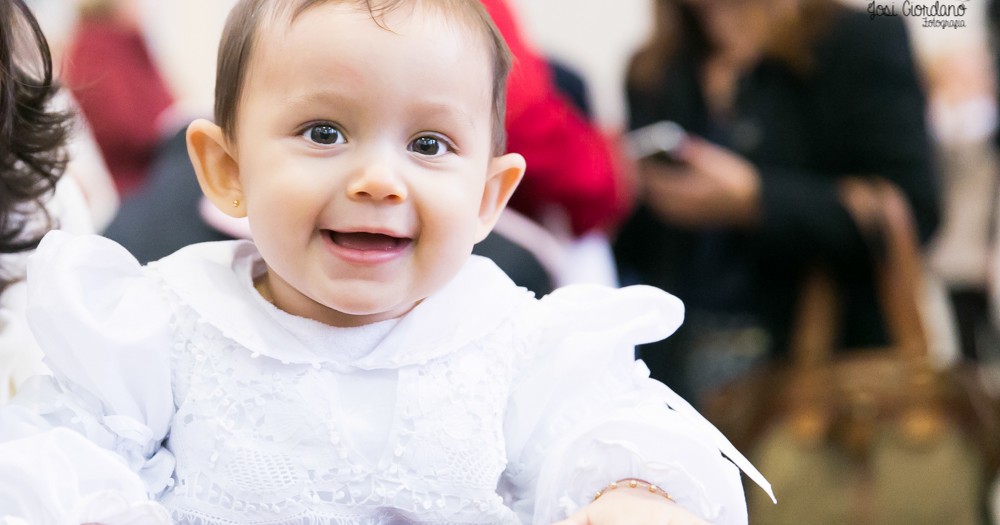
<point>594,38</point>
<point>792,103</point>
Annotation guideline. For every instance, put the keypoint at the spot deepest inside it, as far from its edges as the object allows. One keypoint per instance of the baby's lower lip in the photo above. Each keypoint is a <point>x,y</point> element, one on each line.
<point>364,247</point>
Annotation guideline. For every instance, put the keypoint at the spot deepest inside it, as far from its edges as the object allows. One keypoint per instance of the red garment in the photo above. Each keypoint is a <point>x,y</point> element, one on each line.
<point>570,163</point>
<point>121,93</point>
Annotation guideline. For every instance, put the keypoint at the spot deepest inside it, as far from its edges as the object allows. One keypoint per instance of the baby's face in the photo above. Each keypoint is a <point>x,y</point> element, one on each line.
<point>363,156</point>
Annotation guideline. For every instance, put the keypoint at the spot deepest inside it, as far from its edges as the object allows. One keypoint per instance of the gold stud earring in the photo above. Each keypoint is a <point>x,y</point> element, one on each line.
<point>236,203</point>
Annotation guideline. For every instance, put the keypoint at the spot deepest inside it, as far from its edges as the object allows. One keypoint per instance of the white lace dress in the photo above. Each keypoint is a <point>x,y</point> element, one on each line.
<point>480,406</point>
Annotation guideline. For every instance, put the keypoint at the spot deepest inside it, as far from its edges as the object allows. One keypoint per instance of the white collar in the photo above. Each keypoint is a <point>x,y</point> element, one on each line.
<point>475,302</point>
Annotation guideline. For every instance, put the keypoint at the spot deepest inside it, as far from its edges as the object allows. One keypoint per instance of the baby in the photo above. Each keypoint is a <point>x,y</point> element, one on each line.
<point>354,364</point>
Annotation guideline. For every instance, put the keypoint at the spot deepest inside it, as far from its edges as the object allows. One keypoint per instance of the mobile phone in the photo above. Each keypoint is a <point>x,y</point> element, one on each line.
<point>659,141</point>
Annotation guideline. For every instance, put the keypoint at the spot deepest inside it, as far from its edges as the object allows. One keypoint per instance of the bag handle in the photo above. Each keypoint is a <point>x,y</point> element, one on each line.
<point>882,214</point>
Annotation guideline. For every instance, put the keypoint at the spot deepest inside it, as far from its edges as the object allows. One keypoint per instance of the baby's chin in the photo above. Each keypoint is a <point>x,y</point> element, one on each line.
<point>355,313</point>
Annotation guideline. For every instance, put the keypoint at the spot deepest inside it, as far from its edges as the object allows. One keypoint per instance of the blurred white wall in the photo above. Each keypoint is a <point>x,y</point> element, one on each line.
<point>184,36</point>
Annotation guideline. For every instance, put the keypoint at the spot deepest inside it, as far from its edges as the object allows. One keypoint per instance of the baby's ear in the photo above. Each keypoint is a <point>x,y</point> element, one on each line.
<point>217,169</point>
<point>503,175</point>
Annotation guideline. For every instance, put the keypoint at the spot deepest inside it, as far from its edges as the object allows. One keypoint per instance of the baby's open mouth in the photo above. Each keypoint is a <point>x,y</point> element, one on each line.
<point>365,241</point>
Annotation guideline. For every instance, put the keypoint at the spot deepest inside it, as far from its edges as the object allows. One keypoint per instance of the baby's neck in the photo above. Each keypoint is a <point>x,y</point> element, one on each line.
<point>260,284</point>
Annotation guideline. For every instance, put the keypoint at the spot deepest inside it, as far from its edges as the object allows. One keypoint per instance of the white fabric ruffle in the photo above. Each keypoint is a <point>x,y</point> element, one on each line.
<point>59,477</point>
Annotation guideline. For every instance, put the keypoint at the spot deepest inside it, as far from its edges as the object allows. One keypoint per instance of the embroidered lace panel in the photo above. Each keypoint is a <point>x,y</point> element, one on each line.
<point>258,441</point>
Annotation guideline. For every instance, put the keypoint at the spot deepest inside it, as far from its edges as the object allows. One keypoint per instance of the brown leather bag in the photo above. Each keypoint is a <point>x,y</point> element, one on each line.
<point>864,436</point>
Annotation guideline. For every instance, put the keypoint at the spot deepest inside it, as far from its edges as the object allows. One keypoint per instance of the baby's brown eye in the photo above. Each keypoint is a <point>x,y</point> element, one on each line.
<point>429,146</point>
<point>324,134</point>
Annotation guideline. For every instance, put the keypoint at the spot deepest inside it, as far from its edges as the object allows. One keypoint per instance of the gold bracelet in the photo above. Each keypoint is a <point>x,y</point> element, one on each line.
<point>634,483</point>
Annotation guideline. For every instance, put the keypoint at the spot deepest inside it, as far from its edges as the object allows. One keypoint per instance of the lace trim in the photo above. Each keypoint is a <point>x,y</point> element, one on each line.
<point>367,494</point>
<point>379,517</point>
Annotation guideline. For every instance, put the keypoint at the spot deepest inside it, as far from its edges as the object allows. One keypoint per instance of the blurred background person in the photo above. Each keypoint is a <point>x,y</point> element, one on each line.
<point>572,164</point>
<point>86,166</point>
<point>783,98</point>
<point>963,117</point>
<point>119,88</point>
<point>574,187</point>
<point>961,72</point>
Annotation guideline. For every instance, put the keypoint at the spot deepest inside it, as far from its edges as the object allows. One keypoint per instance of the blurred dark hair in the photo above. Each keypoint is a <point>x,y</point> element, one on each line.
<point>677,30</point>
<point>32,134</point>
<point>96,9</point>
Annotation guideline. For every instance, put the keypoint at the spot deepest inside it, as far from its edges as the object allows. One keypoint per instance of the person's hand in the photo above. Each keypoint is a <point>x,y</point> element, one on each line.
<point>711,186</point>
<point>627,506</point>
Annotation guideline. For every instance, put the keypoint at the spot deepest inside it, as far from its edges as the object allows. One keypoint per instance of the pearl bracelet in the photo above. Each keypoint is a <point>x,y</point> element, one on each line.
<point>633,483</point>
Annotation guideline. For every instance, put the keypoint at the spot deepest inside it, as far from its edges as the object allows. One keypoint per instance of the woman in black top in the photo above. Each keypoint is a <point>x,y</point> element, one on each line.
<point>785,98</point>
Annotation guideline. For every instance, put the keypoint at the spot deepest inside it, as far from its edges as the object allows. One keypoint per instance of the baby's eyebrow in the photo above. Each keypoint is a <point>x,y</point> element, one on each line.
<point>443,111</point>
<point>311,98</point>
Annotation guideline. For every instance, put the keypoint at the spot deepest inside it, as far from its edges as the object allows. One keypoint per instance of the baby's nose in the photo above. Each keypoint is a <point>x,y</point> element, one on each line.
<point>378,181</point>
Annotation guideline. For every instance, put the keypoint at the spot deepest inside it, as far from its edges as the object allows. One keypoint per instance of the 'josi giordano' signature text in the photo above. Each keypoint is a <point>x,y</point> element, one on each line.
<point>934,15</point>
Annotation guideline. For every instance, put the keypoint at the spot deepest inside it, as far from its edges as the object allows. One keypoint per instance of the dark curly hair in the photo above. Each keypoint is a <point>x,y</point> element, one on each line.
<point>32,134</point>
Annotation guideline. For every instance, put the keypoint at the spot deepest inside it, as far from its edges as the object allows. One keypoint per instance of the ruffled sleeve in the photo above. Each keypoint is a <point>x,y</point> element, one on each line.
<point>584,413</point>
<point>104,330</point>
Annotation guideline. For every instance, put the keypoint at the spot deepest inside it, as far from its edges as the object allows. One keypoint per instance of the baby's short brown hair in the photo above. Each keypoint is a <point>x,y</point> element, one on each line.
<point>245,21</point>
